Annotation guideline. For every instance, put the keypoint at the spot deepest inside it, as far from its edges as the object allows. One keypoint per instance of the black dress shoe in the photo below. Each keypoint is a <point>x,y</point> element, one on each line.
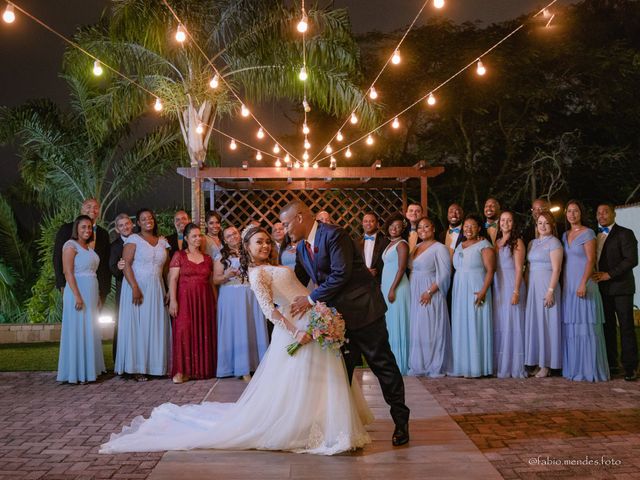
<point>400,435</point>
<point>630,376</point>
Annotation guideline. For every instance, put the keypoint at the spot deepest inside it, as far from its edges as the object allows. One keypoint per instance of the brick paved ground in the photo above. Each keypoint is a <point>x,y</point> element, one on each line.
<point>518,423</point>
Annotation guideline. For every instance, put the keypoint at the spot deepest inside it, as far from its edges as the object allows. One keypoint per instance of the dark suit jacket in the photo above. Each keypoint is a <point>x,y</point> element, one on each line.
<point>116,254</point>
<point>103,247</point>
<point>173,244</point>
<point>380,244</point>
<point>618,258</point>
<point>343,280</point>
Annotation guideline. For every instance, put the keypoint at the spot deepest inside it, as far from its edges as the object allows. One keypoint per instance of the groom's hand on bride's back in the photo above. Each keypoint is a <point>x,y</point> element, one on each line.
<point>299,306</point>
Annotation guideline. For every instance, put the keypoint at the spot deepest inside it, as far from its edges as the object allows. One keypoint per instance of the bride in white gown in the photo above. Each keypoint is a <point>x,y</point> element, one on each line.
<point>301,403</point>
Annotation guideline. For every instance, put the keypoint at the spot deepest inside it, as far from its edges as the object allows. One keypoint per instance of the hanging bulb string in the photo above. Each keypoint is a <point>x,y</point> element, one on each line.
<point>217,72</point>
<point>441,85</point>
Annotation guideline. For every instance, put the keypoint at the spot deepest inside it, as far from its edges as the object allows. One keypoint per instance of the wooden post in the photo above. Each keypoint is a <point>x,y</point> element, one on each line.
<point>404,199</point>
<point>423,194</point>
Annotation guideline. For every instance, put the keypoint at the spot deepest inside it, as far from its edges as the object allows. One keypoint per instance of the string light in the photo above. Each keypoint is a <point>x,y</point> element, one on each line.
<point>245,165</point>
<point>260,133</point>
<point>305,155</point>
<point>303,24</point>
<point>258,156</point>
<point>97,68</point>
<point>244,111</point>
<point>333,163</point>
<point>339,136</point>
<point>233,145</point>
<point>307,145</point>
<point>305,128</point>
<point>431,100</point>
<point>158,105</point>
<point>438,3</point>
<point>306,163</point>
<point>306,106</point>
<point>181,35</point>
<point>480,68</point>
<point>315,165</point>
<point>329,149</point>
<point>9,16</point>
<point>200,129</point>
<point>395,123</point>
<point>287,158</point>
<point>214,81</point>
<point>354,118</point>
<point>303,74</point>
<point>373,94</point>
<point>297,164</point>
<point>395,59</point>
<point>369,140</point>
<point>278,163</point>
<point>348,153</point>
<point>276,148</point>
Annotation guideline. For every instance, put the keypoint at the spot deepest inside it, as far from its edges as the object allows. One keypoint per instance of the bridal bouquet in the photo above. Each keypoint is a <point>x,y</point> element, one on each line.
<point>326,326</point>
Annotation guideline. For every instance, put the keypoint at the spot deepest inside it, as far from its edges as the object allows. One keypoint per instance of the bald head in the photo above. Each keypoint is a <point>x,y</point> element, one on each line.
<point>297,220</point>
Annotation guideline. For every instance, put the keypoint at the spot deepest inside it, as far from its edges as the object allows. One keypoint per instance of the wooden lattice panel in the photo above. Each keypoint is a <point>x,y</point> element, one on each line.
<point>345,205</point>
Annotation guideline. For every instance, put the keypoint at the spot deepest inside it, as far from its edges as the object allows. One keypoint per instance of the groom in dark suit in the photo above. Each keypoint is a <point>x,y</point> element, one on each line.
<point>327,256</point>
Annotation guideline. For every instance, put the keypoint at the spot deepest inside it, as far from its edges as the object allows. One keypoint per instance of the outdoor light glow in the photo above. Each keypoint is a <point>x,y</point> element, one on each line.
<point>305,156</point>
<point>244,111</point>
<point>233,145</point>
<point>260,133</point>
<point>339,136</point>
<point>287,158</point>
<point>181,35</point>
<point>297,164</point>
<point>306,106</point>
<point>245,165</point>
<point>373,94</point>
<point>480,69</point>
<point>305,128</point>
<point>278,163</point>
<point>369,140</point>
<point>395,59</point>
<point>546,13</point>
<point>214,82</point>
<point>305,164</point>
<point>329,149</point>
<point>9,16</point>
<point>105,319</point>
<point>348,153</point>
<point>158,105</point>
<point>307,145</point>
<point>258,156</point>
<point>431,100</point>
<point>354,118</point>
<point>315,165</point>
<point>554,209</point>
<point>332,163</point>
<point>200,129</point>
<point>97,68</point>
<point>395,123</point>
<point>438,3</point>
<point>303,24</point>
<point>303,74</point>
<point>276,148</point>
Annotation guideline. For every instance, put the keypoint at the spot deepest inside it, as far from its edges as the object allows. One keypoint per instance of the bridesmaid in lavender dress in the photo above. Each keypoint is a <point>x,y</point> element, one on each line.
<point>430,342</point>
<point>508,300</point>
<point>543,327</point>
<point>584,350</point>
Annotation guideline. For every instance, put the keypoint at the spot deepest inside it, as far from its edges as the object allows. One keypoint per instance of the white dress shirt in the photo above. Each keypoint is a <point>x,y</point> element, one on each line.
<point>452,238</point>
<point>600,239</point>
<point>368,249</point>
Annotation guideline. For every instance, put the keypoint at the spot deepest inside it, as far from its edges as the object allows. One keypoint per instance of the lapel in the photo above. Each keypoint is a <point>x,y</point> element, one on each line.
<point>378,247</point>
<point>608,242</point>
<point>309,265</point>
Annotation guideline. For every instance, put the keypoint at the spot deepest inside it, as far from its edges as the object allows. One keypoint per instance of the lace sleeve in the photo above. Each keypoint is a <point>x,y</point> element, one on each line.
<point>261,280</point>
<point>176,260</point>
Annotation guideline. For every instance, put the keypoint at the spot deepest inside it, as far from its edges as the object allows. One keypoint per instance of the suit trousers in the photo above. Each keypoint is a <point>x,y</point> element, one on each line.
<point>620,306</point>
<point>372,342</point>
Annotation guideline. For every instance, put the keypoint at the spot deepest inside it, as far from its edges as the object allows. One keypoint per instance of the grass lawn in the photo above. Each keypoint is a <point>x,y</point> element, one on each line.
<point>39,357</point>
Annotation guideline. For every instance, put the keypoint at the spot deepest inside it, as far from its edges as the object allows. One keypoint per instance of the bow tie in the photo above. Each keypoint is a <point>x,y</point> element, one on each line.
<point>489,225</point>
<point>454,230</point>
<point>180,236</point>
<point>413,229</point>
<point>369,237</point>
<point>603,230</point>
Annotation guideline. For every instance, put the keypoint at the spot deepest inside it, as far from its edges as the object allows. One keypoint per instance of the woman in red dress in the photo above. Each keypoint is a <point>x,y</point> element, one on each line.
<point>192,307</point>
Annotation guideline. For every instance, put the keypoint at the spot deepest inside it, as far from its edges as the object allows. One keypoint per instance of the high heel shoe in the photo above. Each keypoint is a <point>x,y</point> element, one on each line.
<point>544,372</point>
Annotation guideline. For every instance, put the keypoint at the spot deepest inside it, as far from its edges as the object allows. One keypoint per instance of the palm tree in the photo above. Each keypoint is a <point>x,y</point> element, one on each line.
<point>253,46</point>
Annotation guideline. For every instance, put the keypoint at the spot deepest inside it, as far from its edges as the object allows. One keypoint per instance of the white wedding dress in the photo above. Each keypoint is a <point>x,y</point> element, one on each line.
<point>301,403</point>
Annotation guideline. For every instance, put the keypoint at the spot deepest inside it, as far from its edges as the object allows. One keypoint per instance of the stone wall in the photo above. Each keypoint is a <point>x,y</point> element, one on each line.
<point>40,332</point>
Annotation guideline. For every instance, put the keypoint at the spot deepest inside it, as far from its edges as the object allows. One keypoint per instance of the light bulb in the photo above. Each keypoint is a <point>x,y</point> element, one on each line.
<point>348,153</point>
<point>333,163</point>
<point>258,156</point>
<point>244,111</point>
<point>369,140</point>
<point>303,24</point>
<point>200,129</point>
<point>480,69</point>
<point>373,94</point>
<point>97,68</point>
<point>307,145</point>
<point>546,13</point>
<point>233,145</point>
<point>214,81</point>
<point>181,35</point>
<point>395,123</point>
<point>260,133</point>
<point>158,105</point>
<point>305,156</point>
<point>297,164</point>
<point>306,106</point>
<point>395,59</point>
<point>305,128</point>
<point>276,148</point>
<point>306,164</point>
<point>303,74</point>
<point>287,158</point>
<point>438,3</point>
<point>431,100</point>
<point>329,149</point>
<point>278,163</point>
<point>9,16</point>
<point>339,136</point>
<point>315,165</point>
<point>354,118</point>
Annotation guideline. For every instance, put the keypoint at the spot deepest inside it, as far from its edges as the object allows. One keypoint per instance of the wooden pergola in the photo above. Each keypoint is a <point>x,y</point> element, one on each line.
<point>321,178</point>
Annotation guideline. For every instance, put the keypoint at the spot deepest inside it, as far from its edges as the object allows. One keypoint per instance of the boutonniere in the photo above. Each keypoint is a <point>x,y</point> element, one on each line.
<point>315,249</point>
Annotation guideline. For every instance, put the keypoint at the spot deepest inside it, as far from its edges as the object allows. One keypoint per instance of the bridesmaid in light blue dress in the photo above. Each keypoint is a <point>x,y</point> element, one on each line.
<point>288,254</point>
<point>584,350</point>
<point>430,344</point>
<point>509,299</point>
<point>242,328</point>
<point>81,359</point>
<point>471,316</point>
<point>396,290</point>
<point>144,329</point>
<point>213,221</point>
<point>543,325</point>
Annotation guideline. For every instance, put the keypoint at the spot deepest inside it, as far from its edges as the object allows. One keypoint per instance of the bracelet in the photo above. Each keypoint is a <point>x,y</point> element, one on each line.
<point>516,292</point>
<point>549,289</point>
<point>429,292</point>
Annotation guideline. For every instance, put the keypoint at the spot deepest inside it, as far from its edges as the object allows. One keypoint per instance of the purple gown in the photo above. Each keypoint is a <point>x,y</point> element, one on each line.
<point>584,350</point>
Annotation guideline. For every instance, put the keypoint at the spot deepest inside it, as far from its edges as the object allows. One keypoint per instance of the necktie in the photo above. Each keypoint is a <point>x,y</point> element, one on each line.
<point>454,230</point>
<point>490,225</point>
<point>309,250</point>
<point>369,237</point>
<point>603,230</point>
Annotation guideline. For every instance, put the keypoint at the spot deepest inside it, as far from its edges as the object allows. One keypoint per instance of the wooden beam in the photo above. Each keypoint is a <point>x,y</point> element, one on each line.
<point>423,194</point>
<point>307,185</point>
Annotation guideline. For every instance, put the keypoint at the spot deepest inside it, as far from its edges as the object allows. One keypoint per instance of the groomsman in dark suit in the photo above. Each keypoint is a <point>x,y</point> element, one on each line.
<point>413,215</point>
<point>180,220</point>
<point>101,244</point>
<point>372,245</point>
<point>124,228</point>
<point>452,237</point>
<point>617,255</point>
<point>491,216</point>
